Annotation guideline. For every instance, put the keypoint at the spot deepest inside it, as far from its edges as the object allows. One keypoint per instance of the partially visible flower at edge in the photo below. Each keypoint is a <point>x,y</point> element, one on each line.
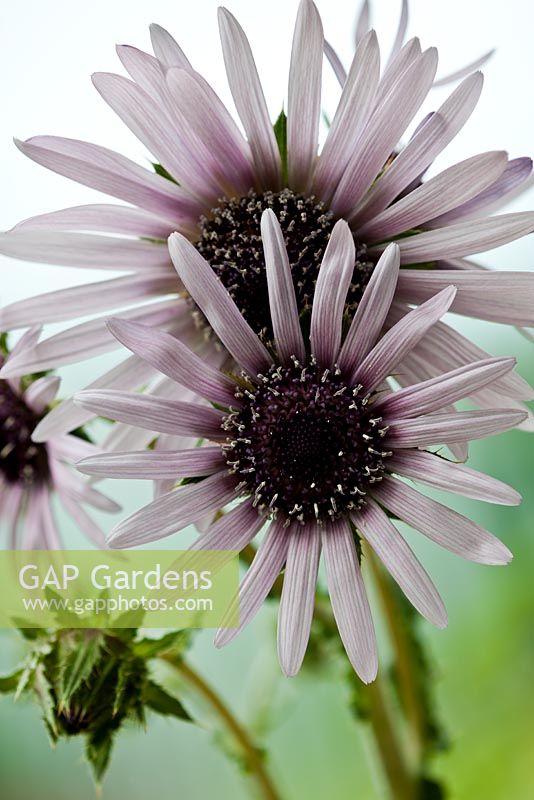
<point>213,185</point>
<point>363,26</point>
<point>307,438</point>
<point>31,472</point>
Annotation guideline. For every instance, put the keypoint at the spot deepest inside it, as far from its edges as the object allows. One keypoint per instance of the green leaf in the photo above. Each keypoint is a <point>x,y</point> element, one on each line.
<point>98,751</point>
<point>431,790</point>
<point>64,617</point>
<point>45,697</point>
<point>4,350</point>
<point>176,642</point>
<point>31,634</point>
<point>77,659</point>
<point>158,700</point>
<point>9,683</point>
<point>280,131</point>
<point>160,170</point>
<point>126,673</point>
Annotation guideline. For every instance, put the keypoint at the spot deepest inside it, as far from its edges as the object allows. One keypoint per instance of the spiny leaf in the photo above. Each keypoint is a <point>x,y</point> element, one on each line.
<point>158,700</point>
<point>126,673</point>
<point>280,131</point>
<point>9,683</point>
<point>98,751</point>
<point>64,617</point>
<point>31,634</point>
<point>176,642</point>
<point>43,692</point>
<point>78,658</point>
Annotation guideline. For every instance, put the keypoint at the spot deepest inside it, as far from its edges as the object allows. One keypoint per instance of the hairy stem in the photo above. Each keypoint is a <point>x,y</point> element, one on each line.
<point>241,736</point>
<point>405,667</point>
<point>402,782</point>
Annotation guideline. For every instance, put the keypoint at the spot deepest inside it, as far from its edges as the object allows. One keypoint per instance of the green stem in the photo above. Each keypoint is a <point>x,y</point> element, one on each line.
<point>405,666</point>
<point>241,736</point>
<point>402,782</point>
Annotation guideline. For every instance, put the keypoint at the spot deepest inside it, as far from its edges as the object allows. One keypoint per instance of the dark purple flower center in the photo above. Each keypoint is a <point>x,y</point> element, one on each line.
<point>304,443</point>
<point>21,460</point>
<point>230,240</point>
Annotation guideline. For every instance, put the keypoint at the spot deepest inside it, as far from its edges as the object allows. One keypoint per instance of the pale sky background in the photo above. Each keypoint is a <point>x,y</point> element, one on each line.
<point>49,49</point>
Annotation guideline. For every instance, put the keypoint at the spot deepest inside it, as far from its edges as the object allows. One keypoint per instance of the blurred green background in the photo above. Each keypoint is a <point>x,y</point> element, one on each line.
<point>484,665</point>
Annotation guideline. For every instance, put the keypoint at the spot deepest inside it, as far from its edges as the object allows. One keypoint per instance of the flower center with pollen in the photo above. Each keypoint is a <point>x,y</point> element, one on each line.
<point>21,460</point>
<point>230,241</point>
<point>305,444</point>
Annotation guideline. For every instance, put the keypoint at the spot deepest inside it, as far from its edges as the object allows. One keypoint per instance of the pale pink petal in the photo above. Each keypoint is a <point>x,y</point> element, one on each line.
<point>80,301</point>
<point>174,511</point>
<point>431,138</point>
<point>144,69</point>
<point>352,114</point>
<point>334,279</point>
<point>335,62</point>
<point>217,305</point>
<point>349,599</point>
<point>383,132</point>
<point>502,296</point>
<point>464,238</point>
<point>451,428</point>
<point>27,341</point>
<point>173,358</point>
<point>467,70</point>
<point>399,340</point>
<point>304,95</point>
<point>439,194</point>
<point>113,174</point>
<point>397,66</point>
<point>83,250</point>
<point>282,300</point>
<point>363,23</point>
<point>487,398</point>
<point>41,392</point>
<point>103,218</point>
<point>227,155</point>
<point>257,583</point>
<point>372,311</point>
<point>401,30</point>
<point>233,531</point>
<point>155,465</point>
<point>82,519</point>
<point>249,99</point>
<point>73,485</point>
<point>435,393</point>
<point>432,470</point>
<point>67,416</point>
<point>149,121</point>
<point>505,188</point>
<point>441,524</point>
<point>298,596</point>
<point>400,562</point>
<point>167,49</point>
<point>444,349</point>
<point>153,413</point>
<point>85,340</point>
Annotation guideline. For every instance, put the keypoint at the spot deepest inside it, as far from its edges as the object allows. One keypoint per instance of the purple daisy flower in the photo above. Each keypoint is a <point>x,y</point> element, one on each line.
<point>306,439</point>
<point>213,184</point>
<point>31,473</point>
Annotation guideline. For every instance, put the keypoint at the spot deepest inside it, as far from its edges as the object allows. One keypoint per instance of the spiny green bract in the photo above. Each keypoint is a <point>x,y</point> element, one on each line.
<point>89,682</point>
